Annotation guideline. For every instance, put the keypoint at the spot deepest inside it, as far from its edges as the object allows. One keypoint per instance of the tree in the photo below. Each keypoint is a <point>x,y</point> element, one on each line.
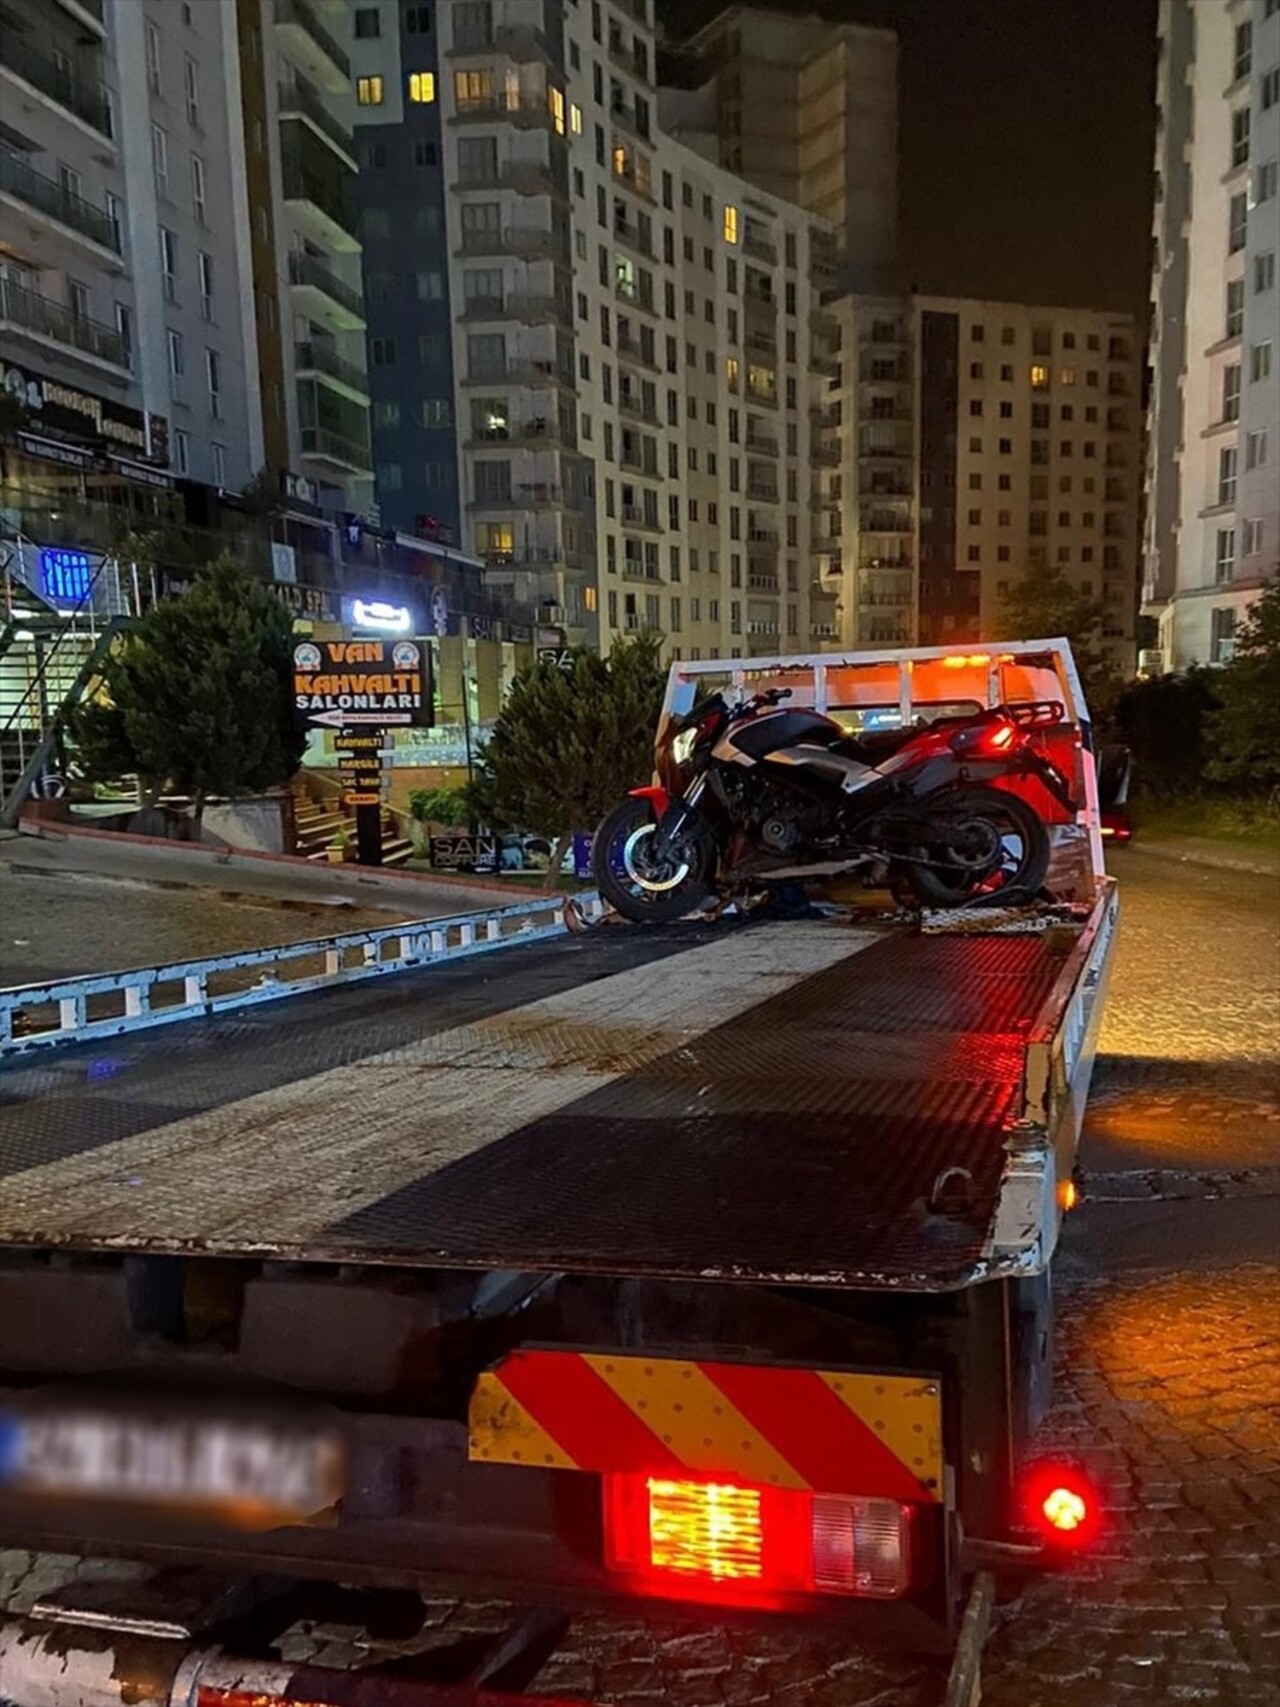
<point>198,695</point>
<point>1164,723</point>
<point>439,806</point>
<point>1244,732</point>
<point>569,742</point>
<point>1046,605</point>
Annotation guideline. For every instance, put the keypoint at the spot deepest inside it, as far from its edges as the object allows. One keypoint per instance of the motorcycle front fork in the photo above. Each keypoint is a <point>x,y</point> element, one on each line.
<point>678,818</point>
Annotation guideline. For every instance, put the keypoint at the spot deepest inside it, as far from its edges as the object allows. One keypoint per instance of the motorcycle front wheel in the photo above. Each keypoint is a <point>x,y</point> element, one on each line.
<point>632,878</point>
<point>982,847</point>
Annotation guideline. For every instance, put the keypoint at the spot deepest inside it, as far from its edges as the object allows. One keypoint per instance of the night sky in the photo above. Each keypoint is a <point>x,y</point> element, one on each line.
<point>1026,141</point>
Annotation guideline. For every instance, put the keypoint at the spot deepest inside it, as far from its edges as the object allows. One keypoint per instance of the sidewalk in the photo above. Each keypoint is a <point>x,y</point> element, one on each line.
<point>270,877</point>
<point>1204,850</point>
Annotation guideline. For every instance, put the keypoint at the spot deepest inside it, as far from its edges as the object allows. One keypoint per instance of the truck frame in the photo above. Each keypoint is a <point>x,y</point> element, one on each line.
<point>702,1267</point>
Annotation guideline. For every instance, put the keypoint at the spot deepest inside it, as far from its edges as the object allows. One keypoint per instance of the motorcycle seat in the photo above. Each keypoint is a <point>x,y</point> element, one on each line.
<point>873,746</point>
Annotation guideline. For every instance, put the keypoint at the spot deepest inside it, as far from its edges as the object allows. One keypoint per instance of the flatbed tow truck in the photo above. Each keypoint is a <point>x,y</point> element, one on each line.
<point>702,1268</point>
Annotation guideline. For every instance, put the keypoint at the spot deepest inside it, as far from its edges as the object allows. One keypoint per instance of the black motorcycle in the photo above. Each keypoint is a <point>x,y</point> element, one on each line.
<point>750,795</point>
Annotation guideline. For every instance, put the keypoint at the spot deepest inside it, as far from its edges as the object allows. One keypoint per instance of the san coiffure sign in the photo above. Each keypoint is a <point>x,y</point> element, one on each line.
<point>352,682</point>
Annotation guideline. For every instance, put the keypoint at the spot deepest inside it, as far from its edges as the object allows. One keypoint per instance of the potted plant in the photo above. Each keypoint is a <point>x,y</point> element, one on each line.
<point>339,848</point>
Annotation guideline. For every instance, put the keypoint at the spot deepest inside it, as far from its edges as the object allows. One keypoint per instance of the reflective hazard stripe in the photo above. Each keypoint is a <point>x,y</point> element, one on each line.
<point>832,1431</point>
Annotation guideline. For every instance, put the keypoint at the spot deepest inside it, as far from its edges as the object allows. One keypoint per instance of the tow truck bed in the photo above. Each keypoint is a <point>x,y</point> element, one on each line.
<point>773,1102</point>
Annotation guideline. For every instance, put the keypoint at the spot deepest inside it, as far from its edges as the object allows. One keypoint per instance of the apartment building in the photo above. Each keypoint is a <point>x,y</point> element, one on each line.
<point>299,96</point>
<point>123,298</point>
<point>1213,478</point>
<point>632,358</point>
<point>807,110</point>
<point>980,441</point>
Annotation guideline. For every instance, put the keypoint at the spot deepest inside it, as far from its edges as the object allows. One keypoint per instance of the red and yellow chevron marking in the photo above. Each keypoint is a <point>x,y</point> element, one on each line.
<point>829,1431</point>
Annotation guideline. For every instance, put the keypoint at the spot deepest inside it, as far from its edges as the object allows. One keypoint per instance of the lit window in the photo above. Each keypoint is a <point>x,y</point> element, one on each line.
<point>555,102</point>
<point>369,91</point>
<point>1039,378</point>
<point>575,125</point>
<point>1068,376</point>
<point>731,372</point>
<point>731,225</point>
<point>422,87</point>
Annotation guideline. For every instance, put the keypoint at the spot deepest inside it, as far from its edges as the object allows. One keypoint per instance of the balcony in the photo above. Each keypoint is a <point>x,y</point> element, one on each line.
<point>336,451</point>
<point>26,313</point>
<point>901,561</point>
<point>762,396</point>
<point>321,295</point>
<point>762,492</point>
<point>880,486</point>
<point>503,108</point>
<point>317,361</point>
<point>887,521</point>
<point>529,242</point>
<point>47,198</point>
<point>628,233</point>
<point>761,341</point>
<point>756,244</point>
<point>640,183</point>
<point>634,569</point>
<point>873,599</point>
<point>885,337</point>
<point>761,444</point>
<point>820,500</point>
<point>634,517</point>
<point>535,495</point>
<point>824,453</point>
<point>529,310</point>
<point>881,371</point>
<point>762,541</point>
<point>56,83</point>
<point>87,12</point>
<point>634,353</point>
<point>299,99</point>
<point>824,417</point>
<point>639,410</point>
<point>624,114</point>
<point>307,37</point>
<point>324,209</point>
<point>519,371</point>
<point>759,304</point>
<point>762,584</point>
<point>626,290</point>
<point>821,361</point>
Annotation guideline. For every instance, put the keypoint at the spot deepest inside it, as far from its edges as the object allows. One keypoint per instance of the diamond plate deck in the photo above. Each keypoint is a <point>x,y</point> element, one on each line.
<point>772,1102</point>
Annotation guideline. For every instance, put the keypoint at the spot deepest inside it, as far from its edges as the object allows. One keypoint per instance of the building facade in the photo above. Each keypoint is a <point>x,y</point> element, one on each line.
<point>123,296</point>
<point>1213,479</point>
<point>980,441</point>
<point>806,110</point>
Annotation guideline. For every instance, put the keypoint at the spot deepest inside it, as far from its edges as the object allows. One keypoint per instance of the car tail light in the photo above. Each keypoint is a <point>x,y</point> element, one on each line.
<point>1062,1505</point>
<point>721,1540</point>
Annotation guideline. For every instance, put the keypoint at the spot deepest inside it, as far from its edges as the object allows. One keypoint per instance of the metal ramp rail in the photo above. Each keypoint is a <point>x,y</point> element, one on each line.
<point>107,1004</point>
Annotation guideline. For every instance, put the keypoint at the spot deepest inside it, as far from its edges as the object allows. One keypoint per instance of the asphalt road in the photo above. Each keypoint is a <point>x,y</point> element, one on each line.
<point>1168,1366</point>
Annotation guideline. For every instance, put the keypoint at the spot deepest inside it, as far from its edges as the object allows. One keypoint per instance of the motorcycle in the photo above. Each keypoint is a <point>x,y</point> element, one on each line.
<point>749,795</point>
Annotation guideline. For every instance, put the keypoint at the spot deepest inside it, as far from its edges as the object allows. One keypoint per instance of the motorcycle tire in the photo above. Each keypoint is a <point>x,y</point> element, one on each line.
<point>628,896</point>
<point>1023,882</point>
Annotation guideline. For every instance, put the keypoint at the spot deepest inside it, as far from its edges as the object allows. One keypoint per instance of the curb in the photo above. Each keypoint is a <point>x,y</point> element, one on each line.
<point>1213,858</point>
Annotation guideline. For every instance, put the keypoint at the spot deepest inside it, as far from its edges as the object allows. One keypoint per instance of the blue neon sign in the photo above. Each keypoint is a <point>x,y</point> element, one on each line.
<point>65,576</point>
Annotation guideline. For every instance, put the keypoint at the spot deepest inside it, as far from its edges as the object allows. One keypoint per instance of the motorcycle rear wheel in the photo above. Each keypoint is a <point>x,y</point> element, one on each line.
<point>1019,876</point>
<point>646,891</point>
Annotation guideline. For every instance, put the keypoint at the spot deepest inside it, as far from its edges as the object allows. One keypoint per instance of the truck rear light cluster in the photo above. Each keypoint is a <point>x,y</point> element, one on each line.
<point>730,1541</point>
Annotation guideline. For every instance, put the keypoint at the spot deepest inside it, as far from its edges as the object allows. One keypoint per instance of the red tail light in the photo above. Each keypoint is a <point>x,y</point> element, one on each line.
<point>718,1540</point>
<point>1062,1505</point>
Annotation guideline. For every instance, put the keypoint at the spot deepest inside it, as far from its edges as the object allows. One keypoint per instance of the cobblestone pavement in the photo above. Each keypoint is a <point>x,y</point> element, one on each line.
<point>1168,1380</point>
<point>53,926</point>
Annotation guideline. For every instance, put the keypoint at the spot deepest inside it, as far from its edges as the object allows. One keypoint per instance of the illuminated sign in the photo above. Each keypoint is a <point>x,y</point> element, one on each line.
<point>361,682</point>
<point>377,613</point>
<point>65,576</point>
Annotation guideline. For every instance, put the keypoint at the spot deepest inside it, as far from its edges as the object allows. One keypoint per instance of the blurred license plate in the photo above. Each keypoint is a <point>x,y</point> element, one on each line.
<point>259,1475</point>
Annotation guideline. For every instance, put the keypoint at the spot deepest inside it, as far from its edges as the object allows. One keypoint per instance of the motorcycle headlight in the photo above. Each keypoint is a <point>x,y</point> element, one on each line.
<point>683,745</point>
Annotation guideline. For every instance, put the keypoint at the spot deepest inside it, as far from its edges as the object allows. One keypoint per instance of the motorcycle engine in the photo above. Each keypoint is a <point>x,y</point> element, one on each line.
<point>781,825</point>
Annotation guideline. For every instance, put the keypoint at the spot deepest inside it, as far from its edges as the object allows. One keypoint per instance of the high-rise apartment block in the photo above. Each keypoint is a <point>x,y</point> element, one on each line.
<point>806,110</point>
<point>634,359</point>
<point>1213,446</point>
<point>981,441</point>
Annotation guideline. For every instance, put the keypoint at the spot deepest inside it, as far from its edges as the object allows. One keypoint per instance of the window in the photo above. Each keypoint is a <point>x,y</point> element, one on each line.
<point>425,153</point>
<point>177,360</point>
<point>169,263</point>
<point>1224,566</point>
<point>213,376</point>
<point>417,20</point>
<point>1068,376</point>
<point>1260,362</point>
<point>978,333</point>
<point>975,518</point>
<point>204,265</point>
<point>153,59</point>
<point>1264,272</point>
<point>556,107</point>
<point>1239,137</point>
<point>575,119</point>
<point>1237,222</point>
<point>1270,89</point>
<point>1235,308</point>
<point>182,451</point>
<point>975,370</point>
<point>1227,475</point>
<point>160,157</point>
<point>382,352</point>
<point>1005,448</point>
<point>368,23</point>
<point>1254,533</point>
<point>975,447</point>
<point>1242,55</point>
<point>198,204</point>
<point>124,326</point>
<point>730,224</point>
<point>1222,636</point>
<point>1039,378</point>
<point>974,554</point>
<point>1264,186</point>
<point>1255,449</point>
<point>369,91</point>
<point>431,287</point>
<point>422,88</point>
<point>191,90</point>
<point>1231,392</point>
<point>218,454</point>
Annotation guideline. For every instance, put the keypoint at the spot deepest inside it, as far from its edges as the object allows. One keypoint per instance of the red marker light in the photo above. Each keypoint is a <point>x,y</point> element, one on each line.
<point>1062,1506</point>
<point>1064,1510</point>
<point>1001,737</point>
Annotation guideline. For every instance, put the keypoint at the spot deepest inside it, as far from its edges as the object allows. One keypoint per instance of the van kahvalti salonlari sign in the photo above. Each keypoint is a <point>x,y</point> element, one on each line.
<point>343,683</point>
